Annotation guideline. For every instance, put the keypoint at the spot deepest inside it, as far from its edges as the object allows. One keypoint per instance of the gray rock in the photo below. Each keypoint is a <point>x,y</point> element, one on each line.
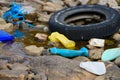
<point>12,74</point>
<point>40,76</point>
<point>117,61</point>
<point>59,68</point>
<point>96,54</point>
<point>18,66</point>
<point>113,72</point>
<point>12,52</point>
<point>81,59</point>
<point>3,65</point>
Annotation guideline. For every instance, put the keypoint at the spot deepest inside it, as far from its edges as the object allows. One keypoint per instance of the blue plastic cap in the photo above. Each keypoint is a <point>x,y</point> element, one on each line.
<point>53,50</point>
<point>85,50</point>
<point>4,36</point>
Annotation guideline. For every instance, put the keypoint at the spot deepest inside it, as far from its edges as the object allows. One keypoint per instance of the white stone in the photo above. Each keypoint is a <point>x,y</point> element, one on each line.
<point>97,68</point>
<point>97,42</point>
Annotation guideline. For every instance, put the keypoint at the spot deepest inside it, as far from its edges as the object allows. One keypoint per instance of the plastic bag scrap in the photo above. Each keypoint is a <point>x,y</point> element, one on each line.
<point>69,53</point>
<point>111,54</point>
<point>4,36</point>
<point>57,37</point>
<point>16,15</point>
<point>97,68</point>
<point>18,34</point>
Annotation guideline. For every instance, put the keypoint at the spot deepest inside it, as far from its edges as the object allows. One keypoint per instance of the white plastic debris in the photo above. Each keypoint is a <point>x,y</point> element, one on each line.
<point>29,9</point>
<point>97,42</point>
<point>97,68</point>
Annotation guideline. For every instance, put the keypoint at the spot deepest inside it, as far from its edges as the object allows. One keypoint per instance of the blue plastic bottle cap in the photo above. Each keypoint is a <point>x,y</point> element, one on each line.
<point>4,36</point>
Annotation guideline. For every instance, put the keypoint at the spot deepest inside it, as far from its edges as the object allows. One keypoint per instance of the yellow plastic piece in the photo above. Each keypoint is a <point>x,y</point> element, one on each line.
<point>53,36</point>
<point>57,37</point>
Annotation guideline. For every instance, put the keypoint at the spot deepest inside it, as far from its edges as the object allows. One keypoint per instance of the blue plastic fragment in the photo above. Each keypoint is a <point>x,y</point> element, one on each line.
<point>16,12</point>
<point>4,36</point>
<point>18,34</point>
<point>69,53</point>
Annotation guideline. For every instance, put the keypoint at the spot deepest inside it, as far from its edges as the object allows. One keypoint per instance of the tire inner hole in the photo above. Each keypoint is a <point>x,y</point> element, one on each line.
<point>85,18</point>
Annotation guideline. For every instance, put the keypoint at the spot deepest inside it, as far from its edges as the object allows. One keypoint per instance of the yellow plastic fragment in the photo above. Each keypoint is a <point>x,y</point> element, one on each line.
<point>53,36</point>
<point>57,37</point>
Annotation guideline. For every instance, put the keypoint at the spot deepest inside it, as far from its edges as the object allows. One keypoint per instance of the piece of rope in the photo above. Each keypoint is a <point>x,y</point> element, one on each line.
<point>16,15</point>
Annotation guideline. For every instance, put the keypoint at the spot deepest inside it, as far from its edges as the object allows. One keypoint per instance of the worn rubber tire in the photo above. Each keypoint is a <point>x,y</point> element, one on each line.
<point>85,32</point>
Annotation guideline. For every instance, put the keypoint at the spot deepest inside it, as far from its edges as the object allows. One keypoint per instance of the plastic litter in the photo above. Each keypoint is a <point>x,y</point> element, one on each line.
<point>97,42</point>
<point>69,53</point>
<point>16,15</point>
<point>18,34</point>
<point>111,54</point>
<point>57,37</point>
<point>97,68</point>
<point>4,36</point>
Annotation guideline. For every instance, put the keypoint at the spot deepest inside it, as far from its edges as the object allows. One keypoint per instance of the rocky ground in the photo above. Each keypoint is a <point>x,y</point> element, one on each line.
<point>21,62</point>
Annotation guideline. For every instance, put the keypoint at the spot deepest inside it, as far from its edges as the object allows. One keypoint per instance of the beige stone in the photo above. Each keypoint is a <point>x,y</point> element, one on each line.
<point>51,7</point>
<point>33,50</point>
<point>71,2</point>
<point>40,36</point>
<point>100,78</point>
<point>110,3</point>
<point>7,27</point>
<point>44,18</point>
<point>93,2</point>
<point>2,21</point>
<point>116,36</point>
<point>95,54</point>
<point>84,1</point>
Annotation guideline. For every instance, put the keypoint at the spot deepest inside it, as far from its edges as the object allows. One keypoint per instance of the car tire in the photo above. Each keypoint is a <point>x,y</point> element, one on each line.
<point>85,32</point>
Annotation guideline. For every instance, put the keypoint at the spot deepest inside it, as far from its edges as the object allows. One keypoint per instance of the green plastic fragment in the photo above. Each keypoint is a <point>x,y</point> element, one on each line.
<point>111,54</point>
